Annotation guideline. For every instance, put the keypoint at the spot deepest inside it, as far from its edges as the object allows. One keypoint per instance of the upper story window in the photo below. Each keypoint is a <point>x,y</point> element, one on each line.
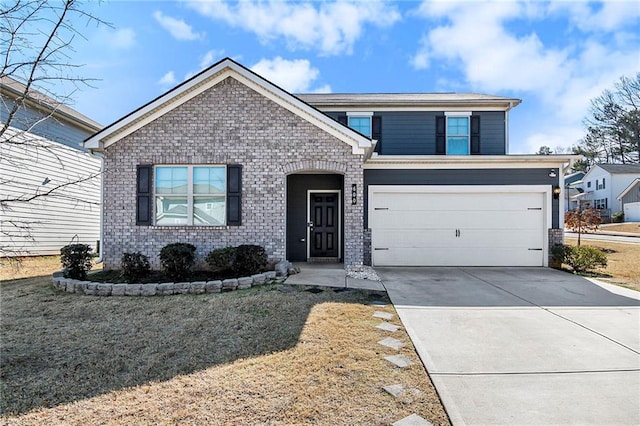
<point>360,122</point>
<point>458,133</point>
<point>589,184</point>
<point>600,185</point>
<point>190,195</point>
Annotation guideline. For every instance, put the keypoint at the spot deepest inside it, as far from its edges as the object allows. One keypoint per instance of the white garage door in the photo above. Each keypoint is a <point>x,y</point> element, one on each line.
<point>457,228</point>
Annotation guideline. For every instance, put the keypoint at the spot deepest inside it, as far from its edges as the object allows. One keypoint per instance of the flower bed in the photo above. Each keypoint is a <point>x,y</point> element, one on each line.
<point>162,289</point>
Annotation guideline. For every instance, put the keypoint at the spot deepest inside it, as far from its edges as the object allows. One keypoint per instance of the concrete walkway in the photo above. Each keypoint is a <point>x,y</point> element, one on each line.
<point>523,345</point>
<point>329,275</point>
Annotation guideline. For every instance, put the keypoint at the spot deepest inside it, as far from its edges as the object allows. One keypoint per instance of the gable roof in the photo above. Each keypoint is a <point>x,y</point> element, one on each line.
<point>620,168</point>
<point>633,184</point>
<point>408,100</point>
<point>14,89</point>
<point>210,77</point>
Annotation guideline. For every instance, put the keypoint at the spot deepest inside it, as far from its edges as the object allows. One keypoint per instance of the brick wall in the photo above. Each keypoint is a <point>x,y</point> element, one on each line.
<point>228,124</point>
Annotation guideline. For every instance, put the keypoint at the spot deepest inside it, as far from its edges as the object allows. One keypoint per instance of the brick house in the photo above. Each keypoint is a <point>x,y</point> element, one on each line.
<point>228,158</point>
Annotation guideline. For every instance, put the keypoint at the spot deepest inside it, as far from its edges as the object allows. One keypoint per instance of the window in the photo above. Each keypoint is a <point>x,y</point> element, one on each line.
<point>600,204</point>
<point>458,132</point>
<point>190,195</point>
<point>360,122</point>
<point>588,184</point>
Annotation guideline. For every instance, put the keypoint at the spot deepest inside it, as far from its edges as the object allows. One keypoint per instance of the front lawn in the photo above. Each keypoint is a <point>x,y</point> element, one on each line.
<point>623,266</point>
<point>249,357</point>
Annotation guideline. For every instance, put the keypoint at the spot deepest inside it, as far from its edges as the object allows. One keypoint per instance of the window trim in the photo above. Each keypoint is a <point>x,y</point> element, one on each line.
<point>361,114</point>
<point>457,114</point>
<point>190,195</point>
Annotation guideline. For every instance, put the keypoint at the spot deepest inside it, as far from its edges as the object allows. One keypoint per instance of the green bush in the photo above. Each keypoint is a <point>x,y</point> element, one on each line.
<point>559,253</point>
<point>618,217</point>
<point>76,261</point>
<point>580,258</point>
<point>177,259</point>
<point>220,261</point>
<point>134,266</point>
<point>249,260</point>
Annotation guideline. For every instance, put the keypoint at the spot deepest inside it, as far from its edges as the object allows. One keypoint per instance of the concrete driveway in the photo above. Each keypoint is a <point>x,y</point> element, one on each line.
<point>523,345</point>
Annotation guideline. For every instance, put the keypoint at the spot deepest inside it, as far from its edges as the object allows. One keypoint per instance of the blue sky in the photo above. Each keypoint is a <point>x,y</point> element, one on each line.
<point>555,56</point>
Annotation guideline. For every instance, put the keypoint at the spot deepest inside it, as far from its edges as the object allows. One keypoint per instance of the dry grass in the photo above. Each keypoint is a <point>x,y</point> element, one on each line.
<point>259,356</point>
<point>31,266</point>
<point>623,265</point>
<point>622,227</point>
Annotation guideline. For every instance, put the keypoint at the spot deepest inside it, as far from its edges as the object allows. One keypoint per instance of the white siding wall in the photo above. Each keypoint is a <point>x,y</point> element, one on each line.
<point>614,185</point>
<point>71,213</point>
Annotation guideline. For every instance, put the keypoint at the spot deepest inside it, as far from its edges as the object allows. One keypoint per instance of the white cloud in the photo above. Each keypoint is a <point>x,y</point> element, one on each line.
<point>179,29</point>
<point>168,79</point>
<point>332,28</point>
<point>494,55</point>
<point>607,16</point>
<point>294,76</point>
<point>211,57</point>
<point>119,39</point>
<point>123,38</point>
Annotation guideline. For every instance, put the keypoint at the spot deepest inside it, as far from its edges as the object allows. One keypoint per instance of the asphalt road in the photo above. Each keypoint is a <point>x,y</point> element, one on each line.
<point>604,237</point>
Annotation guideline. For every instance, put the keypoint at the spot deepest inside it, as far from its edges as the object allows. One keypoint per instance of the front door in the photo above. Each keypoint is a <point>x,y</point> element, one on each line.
<point>323,224</point>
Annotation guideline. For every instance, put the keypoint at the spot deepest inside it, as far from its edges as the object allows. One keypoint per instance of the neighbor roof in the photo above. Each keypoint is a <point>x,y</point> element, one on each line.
<point>620,168</point>
<point>323,100</point>
<point>15,89</point>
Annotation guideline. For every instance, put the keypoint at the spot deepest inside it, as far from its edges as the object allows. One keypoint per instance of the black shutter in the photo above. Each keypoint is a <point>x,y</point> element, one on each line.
<point>441,135</point>
<point>376,132</point>
<point>475,134</point>
<point>143,195</point>
<point>234,194</point>
<point>343,119</point>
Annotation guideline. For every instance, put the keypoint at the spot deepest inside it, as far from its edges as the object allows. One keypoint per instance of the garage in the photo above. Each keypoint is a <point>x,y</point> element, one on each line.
<point>459,225</point>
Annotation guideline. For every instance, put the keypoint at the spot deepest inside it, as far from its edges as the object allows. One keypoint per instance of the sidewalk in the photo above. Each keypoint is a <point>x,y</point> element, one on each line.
<point>329,275</point>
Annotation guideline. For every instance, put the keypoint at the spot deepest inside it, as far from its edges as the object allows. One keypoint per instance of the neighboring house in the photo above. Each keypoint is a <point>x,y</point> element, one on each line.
<point>602,184</point>
<point>572,188</point>
<point>228,158</point>
<point>42,150</point>
<point>630,199</point>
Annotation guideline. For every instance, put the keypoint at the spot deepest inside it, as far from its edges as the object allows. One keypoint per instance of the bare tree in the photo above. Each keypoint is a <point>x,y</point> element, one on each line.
<point>613,125</point>
<point>37,73</point>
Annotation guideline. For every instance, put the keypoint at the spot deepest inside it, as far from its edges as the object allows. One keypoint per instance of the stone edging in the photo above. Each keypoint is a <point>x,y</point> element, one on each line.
<point>162,289</point>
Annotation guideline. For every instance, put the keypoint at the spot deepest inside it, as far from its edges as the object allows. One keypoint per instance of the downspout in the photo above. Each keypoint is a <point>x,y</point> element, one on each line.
<point>101,157</point>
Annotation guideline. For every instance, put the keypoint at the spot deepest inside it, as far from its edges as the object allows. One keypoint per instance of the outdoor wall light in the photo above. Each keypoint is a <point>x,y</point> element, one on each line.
<point>556,192</point>
<point>354,194</point>
<point>552,173</point>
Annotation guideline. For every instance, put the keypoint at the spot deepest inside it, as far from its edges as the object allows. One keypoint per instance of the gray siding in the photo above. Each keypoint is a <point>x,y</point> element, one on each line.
<point>414,132</point>
<point>38,123</point>
<point>461,177</point>
<point>633,196</point>
<point>70,214</point>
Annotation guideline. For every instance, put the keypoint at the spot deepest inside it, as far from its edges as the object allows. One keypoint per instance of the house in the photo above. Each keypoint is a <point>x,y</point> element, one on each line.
<point>227,158</point>
<point>572,188</point>
<point>41,152</point>
<point>630,199</point>
<point>603,183</point>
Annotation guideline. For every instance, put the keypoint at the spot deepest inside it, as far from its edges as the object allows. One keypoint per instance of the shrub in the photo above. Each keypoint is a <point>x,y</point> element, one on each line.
<point>134,266</point>
<point>580,258</point>
<point>249,260</point>
<point>177,259</point>
<point>618,217</point>
<point>220,261</point>
<point>76,261</point>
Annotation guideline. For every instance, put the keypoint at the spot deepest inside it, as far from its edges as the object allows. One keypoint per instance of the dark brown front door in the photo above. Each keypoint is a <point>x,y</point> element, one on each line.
<point>323,209</point>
